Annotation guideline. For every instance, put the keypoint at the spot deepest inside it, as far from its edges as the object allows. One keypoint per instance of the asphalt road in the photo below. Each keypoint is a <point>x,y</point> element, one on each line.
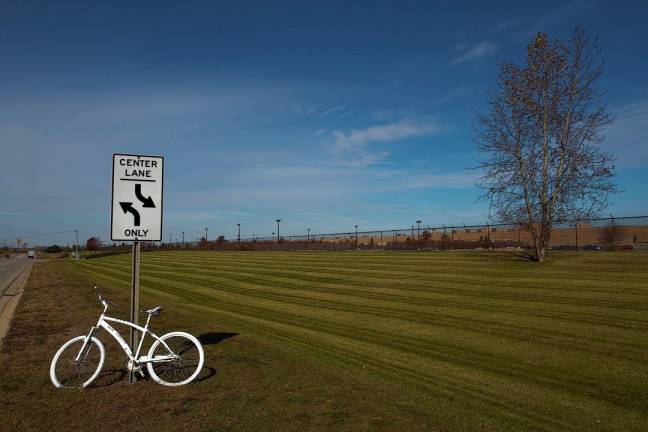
<point>10,268</point>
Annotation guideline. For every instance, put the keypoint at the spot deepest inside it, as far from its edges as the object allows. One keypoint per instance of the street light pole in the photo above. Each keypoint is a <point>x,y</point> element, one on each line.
<point>205,235</point>
<point>308,237</point>
<point>76,245</point>
<point>356,228</point>
<point>278,221</point>
<point>465,237</point>
<point>445,238</point>
<point>418,230</point>
<point>182,239</point>
<point>238,236</point>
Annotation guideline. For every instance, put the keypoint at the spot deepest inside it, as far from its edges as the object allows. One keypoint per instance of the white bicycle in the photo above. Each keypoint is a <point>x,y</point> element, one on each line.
<point>174,359</point>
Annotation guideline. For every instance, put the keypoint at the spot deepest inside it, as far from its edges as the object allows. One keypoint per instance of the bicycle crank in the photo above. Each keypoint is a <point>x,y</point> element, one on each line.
<point>132,367</point>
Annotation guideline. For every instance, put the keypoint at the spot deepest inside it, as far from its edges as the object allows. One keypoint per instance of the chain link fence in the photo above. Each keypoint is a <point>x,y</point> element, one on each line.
<point>613,233</point>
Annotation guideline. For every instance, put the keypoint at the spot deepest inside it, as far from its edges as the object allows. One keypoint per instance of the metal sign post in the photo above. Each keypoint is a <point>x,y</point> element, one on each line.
<point>136,215</point>
<point>134,305</point>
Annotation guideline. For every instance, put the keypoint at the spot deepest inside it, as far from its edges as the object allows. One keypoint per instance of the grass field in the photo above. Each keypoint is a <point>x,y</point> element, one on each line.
<point>398,341</point>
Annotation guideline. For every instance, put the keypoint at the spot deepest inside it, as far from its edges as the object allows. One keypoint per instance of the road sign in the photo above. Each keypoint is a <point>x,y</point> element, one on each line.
<point>137,198</point>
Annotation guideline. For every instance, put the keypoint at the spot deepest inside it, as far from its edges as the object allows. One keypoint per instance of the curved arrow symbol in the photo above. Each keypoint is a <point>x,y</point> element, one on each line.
<point>128,207</point>
<point>148,202</point>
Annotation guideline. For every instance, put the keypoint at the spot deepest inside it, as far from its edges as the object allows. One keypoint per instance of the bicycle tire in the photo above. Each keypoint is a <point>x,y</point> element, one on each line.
<point>63,361</point>
<point>186,367</point>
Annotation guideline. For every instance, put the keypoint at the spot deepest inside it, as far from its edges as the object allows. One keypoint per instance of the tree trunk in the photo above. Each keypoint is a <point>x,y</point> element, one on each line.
<point>540,254</point>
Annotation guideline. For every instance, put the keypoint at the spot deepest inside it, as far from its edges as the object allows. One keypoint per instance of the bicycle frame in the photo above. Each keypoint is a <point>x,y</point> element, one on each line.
<point>134,357</point>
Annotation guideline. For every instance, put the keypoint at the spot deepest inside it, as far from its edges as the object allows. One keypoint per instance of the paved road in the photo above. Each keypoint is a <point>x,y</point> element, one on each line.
<point>10,268</point>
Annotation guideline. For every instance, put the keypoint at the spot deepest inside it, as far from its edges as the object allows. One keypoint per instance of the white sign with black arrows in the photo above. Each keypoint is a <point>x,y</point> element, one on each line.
<point>137,191</point>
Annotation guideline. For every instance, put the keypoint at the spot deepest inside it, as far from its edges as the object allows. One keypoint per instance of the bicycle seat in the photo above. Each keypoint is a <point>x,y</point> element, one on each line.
<point>155,311</point>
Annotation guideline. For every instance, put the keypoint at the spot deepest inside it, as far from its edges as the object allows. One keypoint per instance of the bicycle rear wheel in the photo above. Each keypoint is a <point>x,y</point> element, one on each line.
<point>66,372</point>
<point>186,360</point>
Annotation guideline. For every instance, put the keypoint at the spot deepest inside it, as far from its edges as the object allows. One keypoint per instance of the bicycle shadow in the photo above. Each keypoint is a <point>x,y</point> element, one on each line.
<point>206,373</point>
<point>213,338</point>
<point>109,377</point>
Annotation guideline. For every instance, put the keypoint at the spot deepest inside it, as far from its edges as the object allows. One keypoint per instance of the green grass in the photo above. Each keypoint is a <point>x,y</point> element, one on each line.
<point>480,340</point>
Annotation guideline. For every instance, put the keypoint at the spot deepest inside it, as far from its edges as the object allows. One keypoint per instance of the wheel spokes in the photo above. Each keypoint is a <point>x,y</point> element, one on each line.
<point>183,366</point>
<point>74,373</point>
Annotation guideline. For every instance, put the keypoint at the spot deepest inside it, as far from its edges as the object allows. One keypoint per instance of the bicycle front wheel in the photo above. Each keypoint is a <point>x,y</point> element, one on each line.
<point>177,361</point>
<point>67,371</point>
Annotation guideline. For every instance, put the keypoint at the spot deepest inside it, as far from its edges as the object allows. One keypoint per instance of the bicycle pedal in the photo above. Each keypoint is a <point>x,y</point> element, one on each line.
<point>141,372</point>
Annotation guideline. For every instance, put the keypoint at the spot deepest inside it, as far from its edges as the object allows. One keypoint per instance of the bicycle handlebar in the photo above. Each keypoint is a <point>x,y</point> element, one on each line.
<point>104,301</point>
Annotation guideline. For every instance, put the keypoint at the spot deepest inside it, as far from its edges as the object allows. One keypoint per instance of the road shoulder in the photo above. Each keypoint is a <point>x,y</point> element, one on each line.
<point>10,299</point>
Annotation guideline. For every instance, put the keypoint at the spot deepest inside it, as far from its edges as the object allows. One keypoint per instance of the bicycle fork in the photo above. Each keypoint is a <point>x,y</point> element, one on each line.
<point>83,352</point>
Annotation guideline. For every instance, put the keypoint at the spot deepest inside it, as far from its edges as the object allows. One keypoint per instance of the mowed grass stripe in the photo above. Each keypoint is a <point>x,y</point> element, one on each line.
<point>420,301</point>
<point>407,281</point>
<point>411,271</point>
<point>511,327</point>
<point>415,313</point>
<point>382,320</point>
<point>414,261</point>
<point>482,398</point>
<point>385,314</point>
<point>469,343</point>
<point>377,283</point>
<point>296,325</point>
<point>416,281</point>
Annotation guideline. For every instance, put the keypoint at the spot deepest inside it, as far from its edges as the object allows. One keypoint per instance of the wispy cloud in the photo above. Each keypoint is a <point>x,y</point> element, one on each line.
<point>400,130</point>
<point>627,137</point>
<point>506,24</point>
<point>75,134</point>
<point>331,110</point>
<point>452,180</point>
<point>363,158</point>
<point>314,111</point>
<point>543,22</point>
<point>354,148</point>
<point>475,52</point>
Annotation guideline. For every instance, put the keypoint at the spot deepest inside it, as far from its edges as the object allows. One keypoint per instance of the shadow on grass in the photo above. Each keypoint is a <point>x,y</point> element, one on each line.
<point>213,338</point>
<point>513,256</point>
<point>108,377</point>
<point>206,373</point>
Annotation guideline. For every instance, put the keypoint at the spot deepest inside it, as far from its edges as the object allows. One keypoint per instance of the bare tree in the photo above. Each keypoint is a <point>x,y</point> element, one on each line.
<point>540,138</point>
<point>611,235</point>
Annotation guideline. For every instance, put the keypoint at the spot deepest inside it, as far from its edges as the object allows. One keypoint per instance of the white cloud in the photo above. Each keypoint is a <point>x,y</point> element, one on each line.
<point>345,114</point>
<point>357,139</point>
<point>478,51</point>
<point>313,111</point>
<point>352,148</point>
<point>452,180</point>
<point>63,144</point>
<point>364,159</point>
<point>331,110</point>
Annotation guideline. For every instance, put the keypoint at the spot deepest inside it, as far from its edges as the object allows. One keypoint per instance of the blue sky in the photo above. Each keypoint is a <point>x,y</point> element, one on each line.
<point>324,115</point>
